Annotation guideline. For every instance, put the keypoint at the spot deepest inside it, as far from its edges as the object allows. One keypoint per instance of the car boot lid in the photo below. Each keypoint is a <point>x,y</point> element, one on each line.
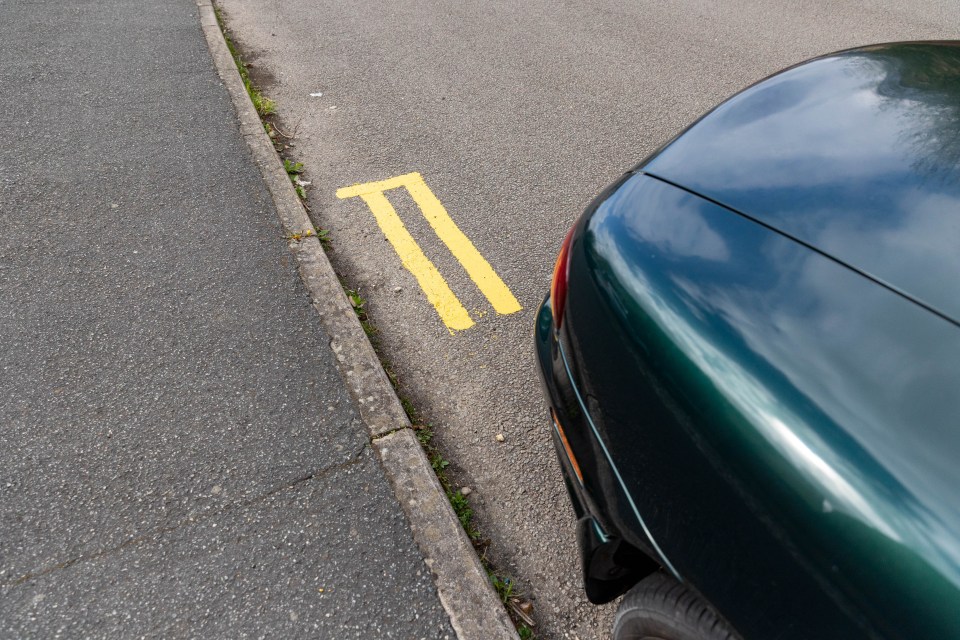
<point>855,154</point>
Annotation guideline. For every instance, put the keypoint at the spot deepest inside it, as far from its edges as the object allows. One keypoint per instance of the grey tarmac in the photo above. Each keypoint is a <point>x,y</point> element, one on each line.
<point>181,456</point>
<point>516,114</point>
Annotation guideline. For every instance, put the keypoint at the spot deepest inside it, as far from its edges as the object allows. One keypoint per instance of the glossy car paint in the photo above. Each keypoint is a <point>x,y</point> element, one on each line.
<point>857,154</point>
<point>757,400</point>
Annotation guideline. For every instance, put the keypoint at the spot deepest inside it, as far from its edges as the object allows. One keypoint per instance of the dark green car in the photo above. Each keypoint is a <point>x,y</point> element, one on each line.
<point>751,352</point>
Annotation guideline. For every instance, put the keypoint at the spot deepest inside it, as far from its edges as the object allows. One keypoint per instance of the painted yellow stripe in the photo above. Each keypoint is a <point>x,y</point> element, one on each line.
<point>434,286</point>
<point>374,187</point>
<point>438,292</point>
<point>462,249</point>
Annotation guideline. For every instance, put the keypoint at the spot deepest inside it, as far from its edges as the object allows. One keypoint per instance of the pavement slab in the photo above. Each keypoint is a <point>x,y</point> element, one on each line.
<point>321,558</point>
<point>180,454</point>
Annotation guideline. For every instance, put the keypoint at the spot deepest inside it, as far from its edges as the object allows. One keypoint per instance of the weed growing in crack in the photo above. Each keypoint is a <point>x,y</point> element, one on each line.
<point>410,410</point>
<point>461,506</point>
<point>517,606</point>
<point>264,105</point>
<point>503,586</point>
<point>294,169</point>
<point>358,302</point>
<point>321,234</point>
<point>459,502</point>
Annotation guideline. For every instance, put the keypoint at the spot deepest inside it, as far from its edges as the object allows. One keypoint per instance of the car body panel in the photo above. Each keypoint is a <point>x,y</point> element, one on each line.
<point>599,496</point>
<point>592,476</point>
<point>784,426</point>
<point>856,154</point>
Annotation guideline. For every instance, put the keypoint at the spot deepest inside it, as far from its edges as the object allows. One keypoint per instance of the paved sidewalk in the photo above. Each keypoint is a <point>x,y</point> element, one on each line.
<point>179,457</point>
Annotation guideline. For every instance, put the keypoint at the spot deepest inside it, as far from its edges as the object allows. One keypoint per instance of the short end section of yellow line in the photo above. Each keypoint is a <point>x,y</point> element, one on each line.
<point>379,187</point>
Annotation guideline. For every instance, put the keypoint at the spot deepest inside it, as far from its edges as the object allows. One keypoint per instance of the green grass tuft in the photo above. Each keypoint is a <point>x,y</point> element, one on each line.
<point>503,586</point>
<point>293,169</point>
<point>461,506</point>
<point>264,105</point>
<point>323,235</point>
<point>410,410</point>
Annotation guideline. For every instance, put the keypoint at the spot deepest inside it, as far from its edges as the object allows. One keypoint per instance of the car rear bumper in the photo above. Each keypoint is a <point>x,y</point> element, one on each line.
<point>610,565</point>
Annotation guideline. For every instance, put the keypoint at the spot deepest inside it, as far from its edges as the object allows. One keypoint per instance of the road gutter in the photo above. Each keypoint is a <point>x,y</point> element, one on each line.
<point>475,610</point>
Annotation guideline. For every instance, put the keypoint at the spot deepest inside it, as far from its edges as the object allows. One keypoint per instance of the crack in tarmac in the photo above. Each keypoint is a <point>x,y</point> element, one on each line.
<point>154,534</point>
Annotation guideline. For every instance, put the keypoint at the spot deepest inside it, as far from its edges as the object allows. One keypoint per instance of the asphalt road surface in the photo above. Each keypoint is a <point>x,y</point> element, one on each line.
<point>514,114</point>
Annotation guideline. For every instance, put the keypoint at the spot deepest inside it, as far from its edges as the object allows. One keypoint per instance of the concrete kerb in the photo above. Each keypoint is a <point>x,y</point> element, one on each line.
<point>475,611</point>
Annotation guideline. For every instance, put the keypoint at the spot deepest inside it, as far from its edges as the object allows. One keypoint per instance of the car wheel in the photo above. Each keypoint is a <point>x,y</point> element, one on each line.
<point>660,608</point>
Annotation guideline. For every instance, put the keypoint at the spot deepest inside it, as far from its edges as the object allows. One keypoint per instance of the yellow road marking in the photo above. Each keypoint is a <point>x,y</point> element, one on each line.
<point>438,292</point>
<point>434,286</point>
<point>462,249</point>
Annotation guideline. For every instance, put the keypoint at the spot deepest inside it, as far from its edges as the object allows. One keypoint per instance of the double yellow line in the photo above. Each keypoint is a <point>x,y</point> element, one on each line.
<point>438,292</point>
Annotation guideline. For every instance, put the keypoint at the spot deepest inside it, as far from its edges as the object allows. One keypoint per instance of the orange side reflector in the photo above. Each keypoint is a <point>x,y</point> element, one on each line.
<point>566,447</point>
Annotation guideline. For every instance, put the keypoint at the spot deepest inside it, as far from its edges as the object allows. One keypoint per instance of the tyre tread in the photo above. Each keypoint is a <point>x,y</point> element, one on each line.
<point>661,603</point>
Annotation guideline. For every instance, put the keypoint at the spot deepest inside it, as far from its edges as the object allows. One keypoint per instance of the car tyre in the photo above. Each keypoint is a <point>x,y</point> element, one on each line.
<point>660,608</point>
